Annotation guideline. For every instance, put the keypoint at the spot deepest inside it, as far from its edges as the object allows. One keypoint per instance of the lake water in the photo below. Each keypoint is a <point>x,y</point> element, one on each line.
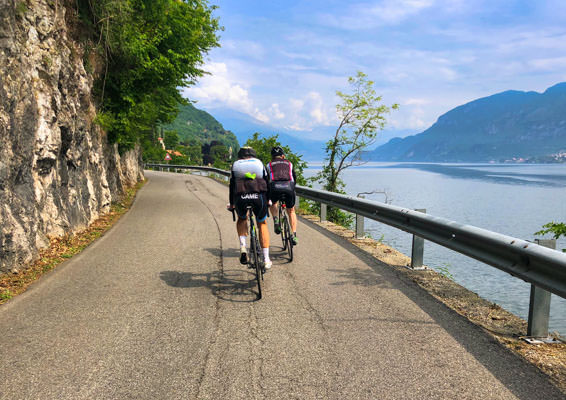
<point>511,199</point>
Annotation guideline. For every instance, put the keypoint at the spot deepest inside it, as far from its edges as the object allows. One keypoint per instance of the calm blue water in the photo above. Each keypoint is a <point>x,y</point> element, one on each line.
<point>515,200</point>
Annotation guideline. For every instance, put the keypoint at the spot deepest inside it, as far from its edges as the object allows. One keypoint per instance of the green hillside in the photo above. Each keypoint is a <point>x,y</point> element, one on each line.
<point>195,126</point>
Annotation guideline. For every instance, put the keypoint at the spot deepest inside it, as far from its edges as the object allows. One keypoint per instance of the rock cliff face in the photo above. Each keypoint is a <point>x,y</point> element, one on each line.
<point>57,171</point>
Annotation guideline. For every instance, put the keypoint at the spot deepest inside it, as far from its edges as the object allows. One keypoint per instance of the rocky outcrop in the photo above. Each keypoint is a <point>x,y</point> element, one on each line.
<point>57,171</point>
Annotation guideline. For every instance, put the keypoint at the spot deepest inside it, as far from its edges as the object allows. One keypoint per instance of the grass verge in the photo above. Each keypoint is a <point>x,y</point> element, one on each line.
<point>62,248</point>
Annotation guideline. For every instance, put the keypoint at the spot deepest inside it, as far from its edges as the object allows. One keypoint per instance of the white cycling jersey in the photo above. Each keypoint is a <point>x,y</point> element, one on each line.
<point>250,168</point>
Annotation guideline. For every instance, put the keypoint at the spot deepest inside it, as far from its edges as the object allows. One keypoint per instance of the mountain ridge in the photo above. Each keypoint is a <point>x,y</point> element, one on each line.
<point>507,126</point>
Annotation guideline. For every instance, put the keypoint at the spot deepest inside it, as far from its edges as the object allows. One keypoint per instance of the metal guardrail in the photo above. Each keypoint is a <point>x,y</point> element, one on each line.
<point>198,168</point>
<point>536,264</point>
<point>541,266</point>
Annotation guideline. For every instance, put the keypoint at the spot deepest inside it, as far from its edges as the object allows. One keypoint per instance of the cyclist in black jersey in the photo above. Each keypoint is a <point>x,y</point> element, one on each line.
<point>249,185</point>
<point>282,183</point>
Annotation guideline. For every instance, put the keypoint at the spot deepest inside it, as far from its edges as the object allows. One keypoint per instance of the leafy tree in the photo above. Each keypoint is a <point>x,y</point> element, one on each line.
<point>361,116</point>
<point>171,139</point>
<point>263,146</point>
<point>558,229</point>
<point>152,152</point>
<point>194,155</point>
<point>149,48</point>
<point>219,154</point>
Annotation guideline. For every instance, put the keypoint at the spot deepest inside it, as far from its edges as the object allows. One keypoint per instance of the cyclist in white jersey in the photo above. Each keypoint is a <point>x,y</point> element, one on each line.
<point>249,186</point>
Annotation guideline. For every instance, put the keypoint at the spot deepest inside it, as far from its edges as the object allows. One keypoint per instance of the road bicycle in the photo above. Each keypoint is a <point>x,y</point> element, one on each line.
<point>255,255</point>
<point>286,233</point>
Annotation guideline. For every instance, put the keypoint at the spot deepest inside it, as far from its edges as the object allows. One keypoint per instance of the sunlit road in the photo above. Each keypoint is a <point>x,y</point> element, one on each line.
<point>160,308</point>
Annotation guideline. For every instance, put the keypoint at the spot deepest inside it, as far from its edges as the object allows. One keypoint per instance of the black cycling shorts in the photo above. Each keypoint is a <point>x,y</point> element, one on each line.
<point>283,190</point>
<point>258,201</point>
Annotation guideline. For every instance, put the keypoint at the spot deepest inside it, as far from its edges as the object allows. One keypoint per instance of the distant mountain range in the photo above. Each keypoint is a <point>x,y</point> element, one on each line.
<point>508,126</point>
<point>244,126</point>
<point>307,143</point>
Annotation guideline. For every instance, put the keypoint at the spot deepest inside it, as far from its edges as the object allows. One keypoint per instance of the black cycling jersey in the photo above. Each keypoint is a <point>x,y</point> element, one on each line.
<point>249,186</point>
<point>282,181</point>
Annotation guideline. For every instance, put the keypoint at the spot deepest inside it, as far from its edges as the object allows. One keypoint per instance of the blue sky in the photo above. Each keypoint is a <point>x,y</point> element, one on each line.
<point>282,62</point>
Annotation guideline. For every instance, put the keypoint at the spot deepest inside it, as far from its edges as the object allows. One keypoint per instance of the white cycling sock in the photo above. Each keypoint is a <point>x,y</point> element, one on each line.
<point>266,254</point>
<point>242,241</point>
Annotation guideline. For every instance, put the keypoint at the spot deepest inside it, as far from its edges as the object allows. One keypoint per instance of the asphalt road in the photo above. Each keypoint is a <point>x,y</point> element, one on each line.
<point>160,308</point>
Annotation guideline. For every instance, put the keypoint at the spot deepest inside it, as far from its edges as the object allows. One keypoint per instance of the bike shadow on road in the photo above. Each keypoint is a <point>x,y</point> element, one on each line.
<point>276,253</point>
<point>238,286</point>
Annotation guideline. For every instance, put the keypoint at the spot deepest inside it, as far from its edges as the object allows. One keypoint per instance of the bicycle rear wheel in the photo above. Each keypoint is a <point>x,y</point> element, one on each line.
<point>281,223</point>
<point>256,260</point>
<point>288,238</point>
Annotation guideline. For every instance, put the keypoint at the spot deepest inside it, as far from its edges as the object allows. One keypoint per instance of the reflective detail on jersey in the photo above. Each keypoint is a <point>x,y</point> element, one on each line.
<point>249,196</point>
<point>249,175</point>
<point>270,170</point>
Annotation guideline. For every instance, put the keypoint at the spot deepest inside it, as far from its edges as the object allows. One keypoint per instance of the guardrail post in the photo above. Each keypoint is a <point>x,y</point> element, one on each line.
<point>539,305</point>
<point>359,226</point>
<point>417,253</point>
<point>322,212</point>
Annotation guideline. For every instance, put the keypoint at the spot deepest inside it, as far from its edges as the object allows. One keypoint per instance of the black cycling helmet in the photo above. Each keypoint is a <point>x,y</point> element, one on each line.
<point>277,151</point>
<point>245,152</point>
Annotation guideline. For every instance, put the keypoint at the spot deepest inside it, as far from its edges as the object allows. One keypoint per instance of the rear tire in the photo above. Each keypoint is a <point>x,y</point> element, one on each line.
<point>282,217</point>
<point>288,239</point>
<point>256,261</point>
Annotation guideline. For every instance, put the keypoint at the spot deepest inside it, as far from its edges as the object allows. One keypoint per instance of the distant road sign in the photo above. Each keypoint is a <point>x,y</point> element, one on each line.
<point>167,157</point>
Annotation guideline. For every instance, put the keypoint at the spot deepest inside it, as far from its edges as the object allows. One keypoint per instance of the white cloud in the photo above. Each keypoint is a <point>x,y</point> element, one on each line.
<point>309,111</point>
<point>275,112</point>
<point>244,48</point>
<point>392,12</point>
<point>548,64</point>
<point>219,88</point>
<point>367,16</point>
<point>418,102</point>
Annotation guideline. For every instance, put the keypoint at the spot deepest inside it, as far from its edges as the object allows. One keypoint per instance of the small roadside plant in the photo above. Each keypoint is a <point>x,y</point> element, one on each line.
<point>557,229</point>
<point>444,270</point>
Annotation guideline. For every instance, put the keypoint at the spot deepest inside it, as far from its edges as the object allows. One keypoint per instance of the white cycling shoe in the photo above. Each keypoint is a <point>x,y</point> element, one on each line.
<point>268,265</point>
<point>243,255</point>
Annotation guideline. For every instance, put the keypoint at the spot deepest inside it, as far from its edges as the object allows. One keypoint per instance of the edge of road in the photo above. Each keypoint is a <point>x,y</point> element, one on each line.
<point>505,328</point>
<point>62,249</point>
